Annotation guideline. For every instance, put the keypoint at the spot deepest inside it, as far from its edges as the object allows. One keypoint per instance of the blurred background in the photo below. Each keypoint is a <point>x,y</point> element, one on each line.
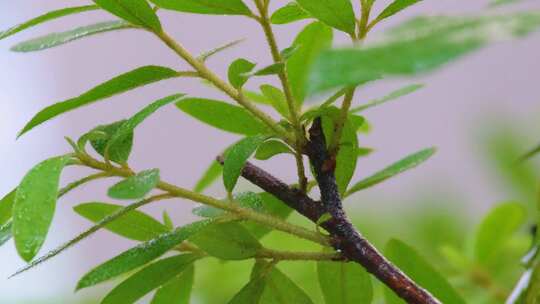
<point>480,112</point>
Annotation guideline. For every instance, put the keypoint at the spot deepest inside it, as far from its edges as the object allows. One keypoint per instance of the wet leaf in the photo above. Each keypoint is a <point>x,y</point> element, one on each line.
<point>120,151</point>
<point>135,187</point>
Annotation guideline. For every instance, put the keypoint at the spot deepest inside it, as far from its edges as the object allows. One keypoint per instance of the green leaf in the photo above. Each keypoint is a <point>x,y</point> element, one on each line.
<point>209,177</point>
<point>148,279</point>
<point>206,55</point>
<point>392,96</point>
<point>126,129</point>
<point>395,7</point>
<point>6,207</point>
<point>245,199</point>
<point>424,44</point>
<point>238,70</point>
<point>344,283</point>
<point>57,39</point>
<point>227,241</point>
<point>289,13</point>
<point>313,39</point>
<point>272,69</point>
<point>257,97</point>
<point>236,157</point>
<point>137,12</point>
<point>272,148</point>
<point>120,151</point>
<point>125,82</point>
<point>278,99</point>
<point>167,220</point>
<point>416,267</point>
<point>496,228</point>
<point>34,205</point>
<point>212,7</point>
<point>46,17</point>
<point>140,255</point>
<point>135,187</point>
<point>177,290</point>
<point>5,232</point>
<point>281,289</point>
<point>223,116</point>
<point>396,168</point>
<point>133,225</point>
<point>251,293</point>
<point>338,14</point>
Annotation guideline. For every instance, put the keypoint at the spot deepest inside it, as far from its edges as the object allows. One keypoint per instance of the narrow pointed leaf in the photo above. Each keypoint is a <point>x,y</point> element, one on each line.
<point>401,166</point>
<point>222,115</point>
<point>125,82</point>
<point>133,225</point>
<point>338,14</point>
<point>272,69</point>
<point>212,173</point>
<point>34,206</point>
<point>140,255</point>
<point>120,151</point>
<point>289,13</point>
<point>6,232</point>
<point>395,7</point>
<point>6,207</point>
<point>46,17</point>
<point>137,12</point>
<point>392,96</point>
<point>416,267</point>
<point>424,44</point>
<point>236,157</point>
<point>227,241</point>
<point>281,289</point>
<point>237,71</point>
<point>149,278</point>
<point>344,283</point>
<point>167,220</point>
<point>272,148</point>
<point>206,55</point>
<point>60,38</point>
<point>251,293</point>
<point>211,7</point>
<point>496,228</point>
<point>177,290</point>
<point>311,41</point>
<point>128,126</point>
<point>135,187</point>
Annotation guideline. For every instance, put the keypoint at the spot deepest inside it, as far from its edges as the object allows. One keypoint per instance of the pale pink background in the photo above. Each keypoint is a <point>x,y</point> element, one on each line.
<point>501,79</point>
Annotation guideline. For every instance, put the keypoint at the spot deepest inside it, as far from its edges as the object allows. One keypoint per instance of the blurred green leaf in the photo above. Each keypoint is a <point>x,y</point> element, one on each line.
<point>424,44</point>
<point>272,69</point>
<point>133,225</point>
<point>177,290</point>
<point>494,3</point>
<point>222,115</point>
<point>6,207</point>
<point>214,7</point>
<point>5,232</point>
<point>272,206</point>
<point>336,13</point>
<point>148,279</point>
<point>212,173</point>
<point>272,148</point>
<point>120,151</point>
<point>278,99</point>
<point>251,293</point>
<point>238,70</point>
<point>56,39</point>
<point>418,269</point>
<point>289,13</point>
<point>227,241</point>
<point>137,12</point>
<point>46,17</point>
<point>125,82</point>
<point>310,42</point>
<point>344,283</point>
<point>395,7</point>
<point>236,157</point>
<point>392,96</point>
<point>280,287</point>
<point>128,126</point>
<point>167,221</point>
<point>34,205</point>
<point>140,255</point>
<point>396,168</point>
<point>496,228</point>
<point>136,186</point>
